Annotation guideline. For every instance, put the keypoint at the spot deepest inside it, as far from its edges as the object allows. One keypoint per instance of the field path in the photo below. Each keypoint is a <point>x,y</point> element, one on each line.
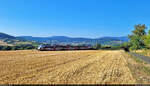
<point>142,57</point>
<point>64,67</point>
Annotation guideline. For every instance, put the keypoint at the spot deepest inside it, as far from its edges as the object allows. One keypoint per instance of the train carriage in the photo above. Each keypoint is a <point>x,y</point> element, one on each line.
<point>47,47</point>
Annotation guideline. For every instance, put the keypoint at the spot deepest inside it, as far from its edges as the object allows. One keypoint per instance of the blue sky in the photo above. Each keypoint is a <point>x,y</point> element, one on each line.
<point>74,18</point>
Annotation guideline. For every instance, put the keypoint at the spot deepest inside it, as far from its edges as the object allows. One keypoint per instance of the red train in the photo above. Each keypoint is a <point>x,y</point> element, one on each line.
<point>63,47</point>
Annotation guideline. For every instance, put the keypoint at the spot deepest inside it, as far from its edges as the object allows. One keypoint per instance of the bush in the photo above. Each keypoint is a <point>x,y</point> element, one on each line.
<point>6,48</point>
<point>97,46</point>
<point>18,47</point>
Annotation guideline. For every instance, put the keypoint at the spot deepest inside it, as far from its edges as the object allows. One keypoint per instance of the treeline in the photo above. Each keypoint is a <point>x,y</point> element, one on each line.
<point>19,47</point>
<point>111,47</point>
<point>139,39</point>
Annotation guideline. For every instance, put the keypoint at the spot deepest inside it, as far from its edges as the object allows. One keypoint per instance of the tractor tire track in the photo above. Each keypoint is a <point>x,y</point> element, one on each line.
<point>70,67</point>
<point>40,68</point>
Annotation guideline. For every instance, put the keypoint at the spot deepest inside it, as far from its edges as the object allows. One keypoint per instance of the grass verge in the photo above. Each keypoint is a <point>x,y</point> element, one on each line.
<point>142,65</point>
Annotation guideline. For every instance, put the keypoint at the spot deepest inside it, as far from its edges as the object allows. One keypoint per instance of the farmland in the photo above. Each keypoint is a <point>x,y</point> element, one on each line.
<point>68,67</point>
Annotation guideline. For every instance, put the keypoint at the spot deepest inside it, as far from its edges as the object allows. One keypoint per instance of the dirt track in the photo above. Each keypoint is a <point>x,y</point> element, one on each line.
<point>57,67</point>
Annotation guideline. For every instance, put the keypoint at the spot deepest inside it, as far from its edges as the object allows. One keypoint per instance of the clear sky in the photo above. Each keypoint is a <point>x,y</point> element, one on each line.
<point>74,18</point>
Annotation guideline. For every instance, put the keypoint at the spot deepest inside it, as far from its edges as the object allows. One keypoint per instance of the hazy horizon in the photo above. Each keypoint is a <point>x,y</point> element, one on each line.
<point>63,36</point>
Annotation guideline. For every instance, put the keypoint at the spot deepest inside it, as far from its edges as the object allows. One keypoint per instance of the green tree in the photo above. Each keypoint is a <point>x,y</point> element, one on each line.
<point>137,37</point>
<point>147,40</point>
<point>6,48</point>
<point>97,46</point>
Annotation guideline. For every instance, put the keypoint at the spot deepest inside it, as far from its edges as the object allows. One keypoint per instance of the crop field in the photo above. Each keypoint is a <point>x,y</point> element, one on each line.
<point>65,67</point>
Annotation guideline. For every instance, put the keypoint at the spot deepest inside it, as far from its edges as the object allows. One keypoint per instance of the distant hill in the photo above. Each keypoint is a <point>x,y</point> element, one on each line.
<point>123,38</point>
<point>69,40</point>
<point>8,40</point>
<point>6,36</point>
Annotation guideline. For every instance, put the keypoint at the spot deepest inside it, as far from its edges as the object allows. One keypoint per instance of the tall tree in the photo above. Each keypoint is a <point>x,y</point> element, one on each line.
<point>137,37</point>
<point>147,40</point>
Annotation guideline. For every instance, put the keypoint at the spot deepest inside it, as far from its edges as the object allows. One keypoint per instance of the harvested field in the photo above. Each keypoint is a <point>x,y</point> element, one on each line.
<point>64,67</point>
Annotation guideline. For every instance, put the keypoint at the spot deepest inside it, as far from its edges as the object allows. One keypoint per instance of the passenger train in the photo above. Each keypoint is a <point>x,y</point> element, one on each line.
<point>47,47</point>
